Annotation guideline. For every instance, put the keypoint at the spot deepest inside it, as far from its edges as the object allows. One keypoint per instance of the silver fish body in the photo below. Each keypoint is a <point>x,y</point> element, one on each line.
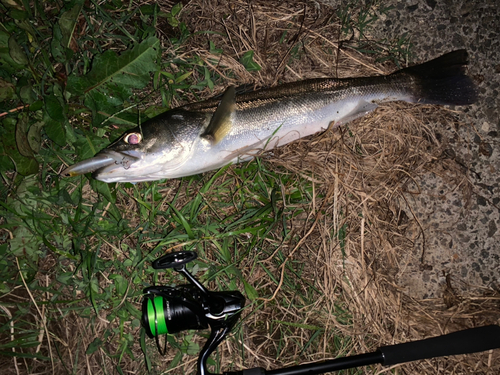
<point>207,135</point>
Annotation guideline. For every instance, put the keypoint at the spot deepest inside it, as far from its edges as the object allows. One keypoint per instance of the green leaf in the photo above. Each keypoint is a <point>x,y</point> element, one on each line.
<point>130,69</point>
<point>113,77</point>
<point>21,136</point>
<point>24,165</point>
<point>55,118</point>
<point>176,9</point>
<point>6,61</point>
<point>35,137</point>
<point>67,23</point>
<point>183,221</point>
<point>7,90</point>
<point>24,355</point>
<point>56,46</point>
<point>27,94</point>
<point>24,243</point>
<point>247,61</point>
<point>190,347</point>
<point>94,346</point>
<point>55,131</point>
<point>104,189</point>
<point>16,52</point>
<point>183,77</point>
<point>54,108</point>
<point>63,33</point>
<point>171,17</point>
<point>250,291</point>
<point>65,277</point>
<point>120,283</point>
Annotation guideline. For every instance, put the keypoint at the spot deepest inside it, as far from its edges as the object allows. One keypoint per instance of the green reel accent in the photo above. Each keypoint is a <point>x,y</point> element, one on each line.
<point>156,316</point>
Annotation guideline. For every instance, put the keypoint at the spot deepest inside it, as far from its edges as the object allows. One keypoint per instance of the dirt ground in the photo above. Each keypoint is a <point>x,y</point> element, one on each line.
<point>462,225</point>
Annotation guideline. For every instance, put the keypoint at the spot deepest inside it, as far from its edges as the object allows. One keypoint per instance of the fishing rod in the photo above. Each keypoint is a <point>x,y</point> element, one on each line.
<point>167,309</point>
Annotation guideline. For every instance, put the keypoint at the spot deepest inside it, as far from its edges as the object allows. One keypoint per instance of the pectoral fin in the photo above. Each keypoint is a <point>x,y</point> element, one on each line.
<point>221,122</point>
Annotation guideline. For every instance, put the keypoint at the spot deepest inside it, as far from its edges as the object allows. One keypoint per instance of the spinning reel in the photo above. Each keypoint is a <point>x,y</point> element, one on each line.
<point>173,309</point>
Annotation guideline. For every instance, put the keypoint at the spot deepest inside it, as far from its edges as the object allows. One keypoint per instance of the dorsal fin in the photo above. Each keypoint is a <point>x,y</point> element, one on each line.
<point>221,122</point>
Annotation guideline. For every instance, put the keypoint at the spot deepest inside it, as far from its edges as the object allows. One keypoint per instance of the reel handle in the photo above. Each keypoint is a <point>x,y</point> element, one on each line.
<point>178,261</point>
<point>174,260</point>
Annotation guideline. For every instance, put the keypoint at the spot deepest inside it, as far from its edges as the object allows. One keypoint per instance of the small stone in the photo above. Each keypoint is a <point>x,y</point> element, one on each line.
<point>431,3</point>
<point>485,149</point>
<point>492,228</point>
<point>412,8</point>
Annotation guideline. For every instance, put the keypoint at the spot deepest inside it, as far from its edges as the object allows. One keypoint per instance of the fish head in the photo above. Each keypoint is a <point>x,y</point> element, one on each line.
<point>146,153</point>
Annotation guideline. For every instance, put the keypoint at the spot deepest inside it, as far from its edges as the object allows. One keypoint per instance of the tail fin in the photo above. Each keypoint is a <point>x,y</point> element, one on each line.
<point>443,80</point>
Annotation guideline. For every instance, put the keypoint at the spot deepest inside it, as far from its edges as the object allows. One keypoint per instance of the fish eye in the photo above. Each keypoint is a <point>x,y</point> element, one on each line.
<point>133,138</point>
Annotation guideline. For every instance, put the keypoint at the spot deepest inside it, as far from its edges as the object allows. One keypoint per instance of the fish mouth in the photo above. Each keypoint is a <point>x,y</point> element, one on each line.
<point>104,161</point>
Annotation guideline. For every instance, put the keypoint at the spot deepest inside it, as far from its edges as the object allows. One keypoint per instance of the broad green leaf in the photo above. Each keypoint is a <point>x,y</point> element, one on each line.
<point>24,243</point>
<point>190,347</point>
<point>250,291</point>
<point>24,165</point>
<point>21,136</point>
<point>68,21</point>
<point>174,22</point>
<point>56,46</point>
<point>176,9</point>
<point>55,131</point>
<point>94,346</point>
<point>36,106</point>
<point>113,77</point>
<point>7,90</point>
<point>27,94</point>
<point>247,61</point>
<point>6,61</point>
<point>16,52</point>
<point>54,108</point>
<point>35,137</point>
<point>104,189</point>
<point>54,118</point>
<point>65,277</point>
<point>130,69</point>
<point>120,283</point>
<point>63,32</point>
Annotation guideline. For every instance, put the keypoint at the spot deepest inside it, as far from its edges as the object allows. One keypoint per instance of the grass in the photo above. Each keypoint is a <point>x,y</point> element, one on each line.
<point>284,229</point>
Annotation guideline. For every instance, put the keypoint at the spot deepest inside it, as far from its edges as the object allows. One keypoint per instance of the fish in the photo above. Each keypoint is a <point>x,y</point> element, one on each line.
<point>207,135</point>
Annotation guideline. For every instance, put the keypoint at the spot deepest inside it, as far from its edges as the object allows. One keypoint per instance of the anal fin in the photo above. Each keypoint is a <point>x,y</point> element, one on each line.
<point>362,109</point>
